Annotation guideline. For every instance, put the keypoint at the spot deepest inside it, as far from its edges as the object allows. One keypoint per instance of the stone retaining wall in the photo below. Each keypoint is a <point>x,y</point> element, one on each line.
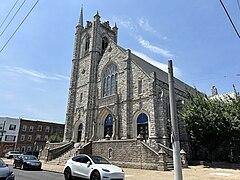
<point>129,153</point>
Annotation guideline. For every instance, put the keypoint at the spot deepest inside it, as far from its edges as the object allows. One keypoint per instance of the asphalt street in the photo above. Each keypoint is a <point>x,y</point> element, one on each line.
<point>37,175</point>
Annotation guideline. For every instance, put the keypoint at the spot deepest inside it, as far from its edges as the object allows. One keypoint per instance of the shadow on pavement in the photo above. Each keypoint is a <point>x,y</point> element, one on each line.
<point>223,165</point>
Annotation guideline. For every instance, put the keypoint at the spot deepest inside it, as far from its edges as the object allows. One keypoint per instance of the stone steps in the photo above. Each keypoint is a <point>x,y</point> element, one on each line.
<point>63,158</point>
<point>170,166</point>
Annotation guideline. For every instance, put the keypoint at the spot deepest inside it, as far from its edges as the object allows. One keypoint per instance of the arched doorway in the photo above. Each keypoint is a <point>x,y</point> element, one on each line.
<point>142,125</point>
<point>108,125</point>
<point>80,128</point>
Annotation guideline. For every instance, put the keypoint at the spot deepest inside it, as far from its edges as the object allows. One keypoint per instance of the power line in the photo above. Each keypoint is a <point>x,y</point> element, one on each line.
<point>8,14</point>
<point>229,18</point>
<point>12,18</point>
<point>19,26</point>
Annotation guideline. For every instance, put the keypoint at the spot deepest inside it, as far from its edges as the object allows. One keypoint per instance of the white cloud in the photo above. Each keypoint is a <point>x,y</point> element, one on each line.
<point>126,23</point>
<point>146,44</point>
<point>177,72</point>
<point>144,24</point>
<point>37,76</point>
<point>62,76</point>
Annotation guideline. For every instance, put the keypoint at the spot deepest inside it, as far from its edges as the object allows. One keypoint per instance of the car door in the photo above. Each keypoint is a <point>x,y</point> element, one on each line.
<point>86,166</point>
<point>18,161</point>
<point>79,166</point>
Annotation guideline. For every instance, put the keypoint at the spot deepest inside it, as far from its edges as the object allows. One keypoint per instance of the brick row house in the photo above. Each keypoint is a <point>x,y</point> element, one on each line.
<point>29,135</point>
<point>33,135</point>
<point>9,128</point>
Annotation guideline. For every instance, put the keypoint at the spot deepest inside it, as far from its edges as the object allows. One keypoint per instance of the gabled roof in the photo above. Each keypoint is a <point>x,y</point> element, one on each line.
<point>161,75</point>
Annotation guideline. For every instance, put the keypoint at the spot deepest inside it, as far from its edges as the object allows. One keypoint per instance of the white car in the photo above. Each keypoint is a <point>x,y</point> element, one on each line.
<point>12,154</point>
<point>91,167</point>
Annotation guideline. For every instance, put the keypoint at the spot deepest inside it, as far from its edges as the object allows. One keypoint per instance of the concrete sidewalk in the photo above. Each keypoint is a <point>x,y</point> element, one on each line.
<point>190,173</point>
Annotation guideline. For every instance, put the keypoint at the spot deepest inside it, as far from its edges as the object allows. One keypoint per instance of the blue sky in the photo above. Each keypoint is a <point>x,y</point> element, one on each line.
<point>35,65</point>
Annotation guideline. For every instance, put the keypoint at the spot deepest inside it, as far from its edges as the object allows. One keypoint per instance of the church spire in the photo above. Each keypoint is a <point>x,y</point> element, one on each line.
<point>81,17</point>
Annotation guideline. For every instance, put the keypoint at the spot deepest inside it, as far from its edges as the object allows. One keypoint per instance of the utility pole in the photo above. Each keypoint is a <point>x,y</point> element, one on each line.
<point>175,133</point>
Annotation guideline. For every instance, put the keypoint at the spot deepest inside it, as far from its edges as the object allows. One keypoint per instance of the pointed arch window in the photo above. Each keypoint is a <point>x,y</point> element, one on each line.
<point>104,43</point>
<point>108,126</point>
<point>110,80</point>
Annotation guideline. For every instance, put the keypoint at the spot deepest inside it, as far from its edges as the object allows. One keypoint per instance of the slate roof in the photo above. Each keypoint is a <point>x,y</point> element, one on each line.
<point>161,75</point>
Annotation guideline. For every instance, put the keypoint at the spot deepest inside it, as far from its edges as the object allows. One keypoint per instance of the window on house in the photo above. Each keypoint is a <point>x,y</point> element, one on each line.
<point>23,149</point>
<point>39,128</point>
<point>29,148</point>
<point>29,137</point>
<point>31,129</point>
<point>24,128</point>
<point>22,137</point>
<point>38,137</point>
<point>47,129</point>
<point>46,137</point>
<point>10,138</point>
<point>12,127</point>
<point>139,86</point>
<point>110,78</point>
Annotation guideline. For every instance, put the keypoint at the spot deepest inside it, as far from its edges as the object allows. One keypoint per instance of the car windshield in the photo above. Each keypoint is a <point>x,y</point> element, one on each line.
<point>14,152</point>
<point>30,157</point>
<point>99,160</point>
<point>2,163</point>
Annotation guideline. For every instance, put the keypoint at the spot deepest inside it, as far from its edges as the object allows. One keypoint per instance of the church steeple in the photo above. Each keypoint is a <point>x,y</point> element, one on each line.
<point>80,22</point>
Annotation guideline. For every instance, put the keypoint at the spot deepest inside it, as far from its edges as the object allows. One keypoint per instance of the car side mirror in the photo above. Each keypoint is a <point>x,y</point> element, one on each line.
<point>89,163</point>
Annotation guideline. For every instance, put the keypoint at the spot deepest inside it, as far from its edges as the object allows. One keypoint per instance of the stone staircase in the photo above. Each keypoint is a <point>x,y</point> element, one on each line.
<point>76,149</point>
<point>170,166</point>
<point>61,160</point>
<point>157,147</point>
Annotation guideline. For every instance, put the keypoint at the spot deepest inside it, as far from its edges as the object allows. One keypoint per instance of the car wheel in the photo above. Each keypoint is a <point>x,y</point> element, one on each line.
<point>95,175</point>
<point>67,174</point>
<point>22,167</point>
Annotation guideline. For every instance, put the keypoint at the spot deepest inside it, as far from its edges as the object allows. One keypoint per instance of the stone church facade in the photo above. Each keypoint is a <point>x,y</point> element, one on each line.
<point>115,94</point>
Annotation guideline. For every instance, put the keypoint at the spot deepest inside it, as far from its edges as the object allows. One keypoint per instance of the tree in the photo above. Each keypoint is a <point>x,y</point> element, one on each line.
<point>234,116</point>
<point>55,138</point>
<point>207,121</point>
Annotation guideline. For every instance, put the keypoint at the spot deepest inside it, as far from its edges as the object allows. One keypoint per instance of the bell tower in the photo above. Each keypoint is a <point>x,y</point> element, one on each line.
<point>89,46</point>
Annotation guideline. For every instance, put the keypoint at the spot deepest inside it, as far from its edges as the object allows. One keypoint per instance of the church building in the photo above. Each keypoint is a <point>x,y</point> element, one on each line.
<point>114,94</point>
